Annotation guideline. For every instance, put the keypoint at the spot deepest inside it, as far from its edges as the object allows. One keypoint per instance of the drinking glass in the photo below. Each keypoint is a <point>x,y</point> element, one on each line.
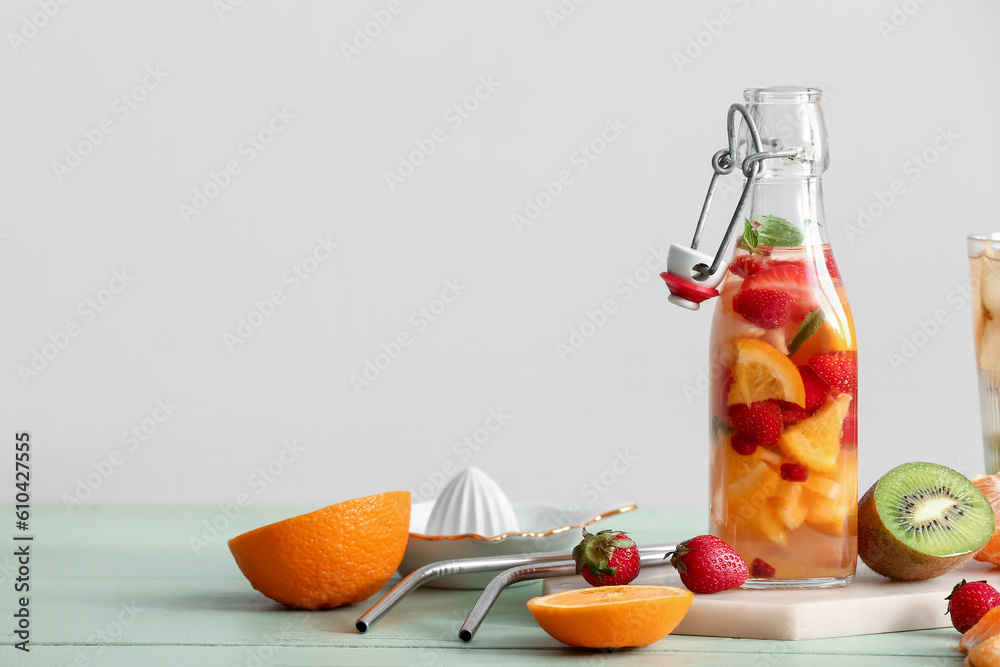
<point>984,274</point>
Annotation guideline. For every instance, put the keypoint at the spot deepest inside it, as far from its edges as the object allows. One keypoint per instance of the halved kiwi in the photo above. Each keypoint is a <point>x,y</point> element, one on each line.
<point>922,520</point>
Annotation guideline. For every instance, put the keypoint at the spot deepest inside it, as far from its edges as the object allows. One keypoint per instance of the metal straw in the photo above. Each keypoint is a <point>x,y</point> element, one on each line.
<point>444,568</point>
<point>649,557</point>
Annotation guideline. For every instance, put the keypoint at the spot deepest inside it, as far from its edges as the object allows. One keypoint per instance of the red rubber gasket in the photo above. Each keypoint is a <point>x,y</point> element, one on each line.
<point>687,289</point>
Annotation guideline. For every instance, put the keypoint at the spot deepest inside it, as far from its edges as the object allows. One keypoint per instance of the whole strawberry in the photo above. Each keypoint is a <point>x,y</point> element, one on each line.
<point>708,565</point>
<point>609,558</point>
<point>968,603</point>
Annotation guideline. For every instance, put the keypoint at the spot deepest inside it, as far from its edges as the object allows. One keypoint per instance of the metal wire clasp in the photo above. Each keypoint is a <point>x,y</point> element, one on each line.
<point>723,163</point>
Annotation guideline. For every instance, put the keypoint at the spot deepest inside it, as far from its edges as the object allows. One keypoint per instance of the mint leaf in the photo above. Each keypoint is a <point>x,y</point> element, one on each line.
<point>808,221</point>
<point>810,325</point>
<point>775,231</point>
<point>750,237</point>
<point>719,425</point>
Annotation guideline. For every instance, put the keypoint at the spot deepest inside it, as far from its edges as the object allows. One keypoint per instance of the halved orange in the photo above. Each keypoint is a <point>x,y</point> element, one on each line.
<point>761,372</point>
<point>332,557</point>
<point>611,616</point>
<point>990,486</point>
<point>988,626</point>
<point>815,442</point>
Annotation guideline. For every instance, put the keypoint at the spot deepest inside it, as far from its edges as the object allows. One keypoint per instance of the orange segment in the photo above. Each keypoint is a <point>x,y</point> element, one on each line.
<point>754,484</point>
<point>815,442</point>
<point>332,557</point>
<point>833,501</point>
<point>611,616</point>
<point>986,653</point>
<point>789,506</point>
<point>990,486</point>
<point>988,626</point>
<point>828,338</point>
<point>761,372</point>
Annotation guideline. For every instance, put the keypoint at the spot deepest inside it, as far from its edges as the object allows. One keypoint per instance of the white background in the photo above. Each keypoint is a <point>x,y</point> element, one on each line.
<point>629,394</point>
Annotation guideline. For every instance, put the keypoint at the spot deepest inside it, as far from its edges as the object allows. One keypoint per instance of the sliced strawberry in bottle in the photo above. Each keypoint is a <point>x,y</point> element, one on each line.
<point>849,434</point>
<point>760,422</point>
<point>789,278</point>
<point>722,400</point>
<point>831,264</point>
<point>839,370</point>
<point>746,265</point>
<point>817,391</point>
<point>797,263</point>
<point>765,308</point>
<point>793,414</point>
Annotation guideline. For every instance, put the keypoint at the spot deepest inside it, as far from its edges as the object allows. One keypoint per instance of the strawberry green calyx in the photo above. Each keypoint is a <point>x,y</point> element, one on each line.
<point>706,564</point>
<point>676,557</point>
<point>960,584</point>
<point>597,551</point>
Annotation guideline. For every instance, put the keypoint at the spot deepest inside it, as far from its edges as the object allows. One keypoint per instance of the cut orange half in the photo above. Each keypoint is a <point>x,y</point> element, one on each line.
<point>332,557</point>
<point>761,372</point>
<point>611,616</point>
<point>815,442</point>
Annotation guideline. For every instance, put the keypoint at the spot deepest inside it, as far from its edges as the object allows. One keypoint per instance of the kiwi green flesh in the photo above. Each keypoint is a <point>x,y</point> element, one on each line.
<point>933,509</point>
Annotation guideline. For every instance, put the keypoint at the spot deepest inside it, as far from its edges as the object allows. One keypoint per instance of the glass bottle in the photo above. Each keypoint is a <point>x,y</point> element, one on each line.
<point>783,360</point>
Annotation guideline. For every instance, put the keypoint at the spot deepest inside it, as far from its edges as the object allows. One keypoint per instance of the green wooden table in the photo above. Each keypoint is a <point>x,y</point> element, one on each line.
<point>123,585</point>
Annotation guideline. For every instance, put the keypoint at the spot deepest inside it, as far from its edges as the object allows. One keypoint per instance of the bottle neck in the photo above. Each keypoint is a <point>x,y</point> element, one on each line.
<point>797,200</point>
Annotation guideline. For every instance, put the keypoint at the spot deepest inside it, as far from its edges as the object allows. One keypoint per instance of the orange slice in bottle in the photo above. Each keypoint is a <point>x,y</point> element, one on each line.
<point>815,442</point>
<point>761,372</point>
<point>833,500</point>
<point>828,338</point>
<point>789,505</point>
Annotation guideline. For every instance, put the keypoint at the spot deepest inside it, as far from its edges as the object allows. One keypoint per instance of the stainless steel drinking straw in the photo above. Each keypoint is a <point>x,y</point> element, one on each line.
<point>445,568</point>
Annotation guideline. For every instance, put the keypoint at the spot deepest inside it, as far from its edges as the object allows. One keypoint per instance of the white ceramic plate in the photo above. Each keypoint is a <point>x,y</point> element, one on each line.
<point>551,529</point>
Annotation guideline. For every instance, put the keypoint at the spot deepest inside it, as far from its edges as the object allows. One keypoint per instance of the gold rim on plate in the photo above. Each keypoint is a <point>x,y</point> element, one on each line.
<point>554,531</point>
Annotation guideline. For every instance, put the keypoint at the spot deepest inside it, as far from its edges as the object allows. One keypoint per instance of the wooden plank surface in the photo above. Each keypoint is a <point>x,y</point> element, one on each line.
<point>122,585</point>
